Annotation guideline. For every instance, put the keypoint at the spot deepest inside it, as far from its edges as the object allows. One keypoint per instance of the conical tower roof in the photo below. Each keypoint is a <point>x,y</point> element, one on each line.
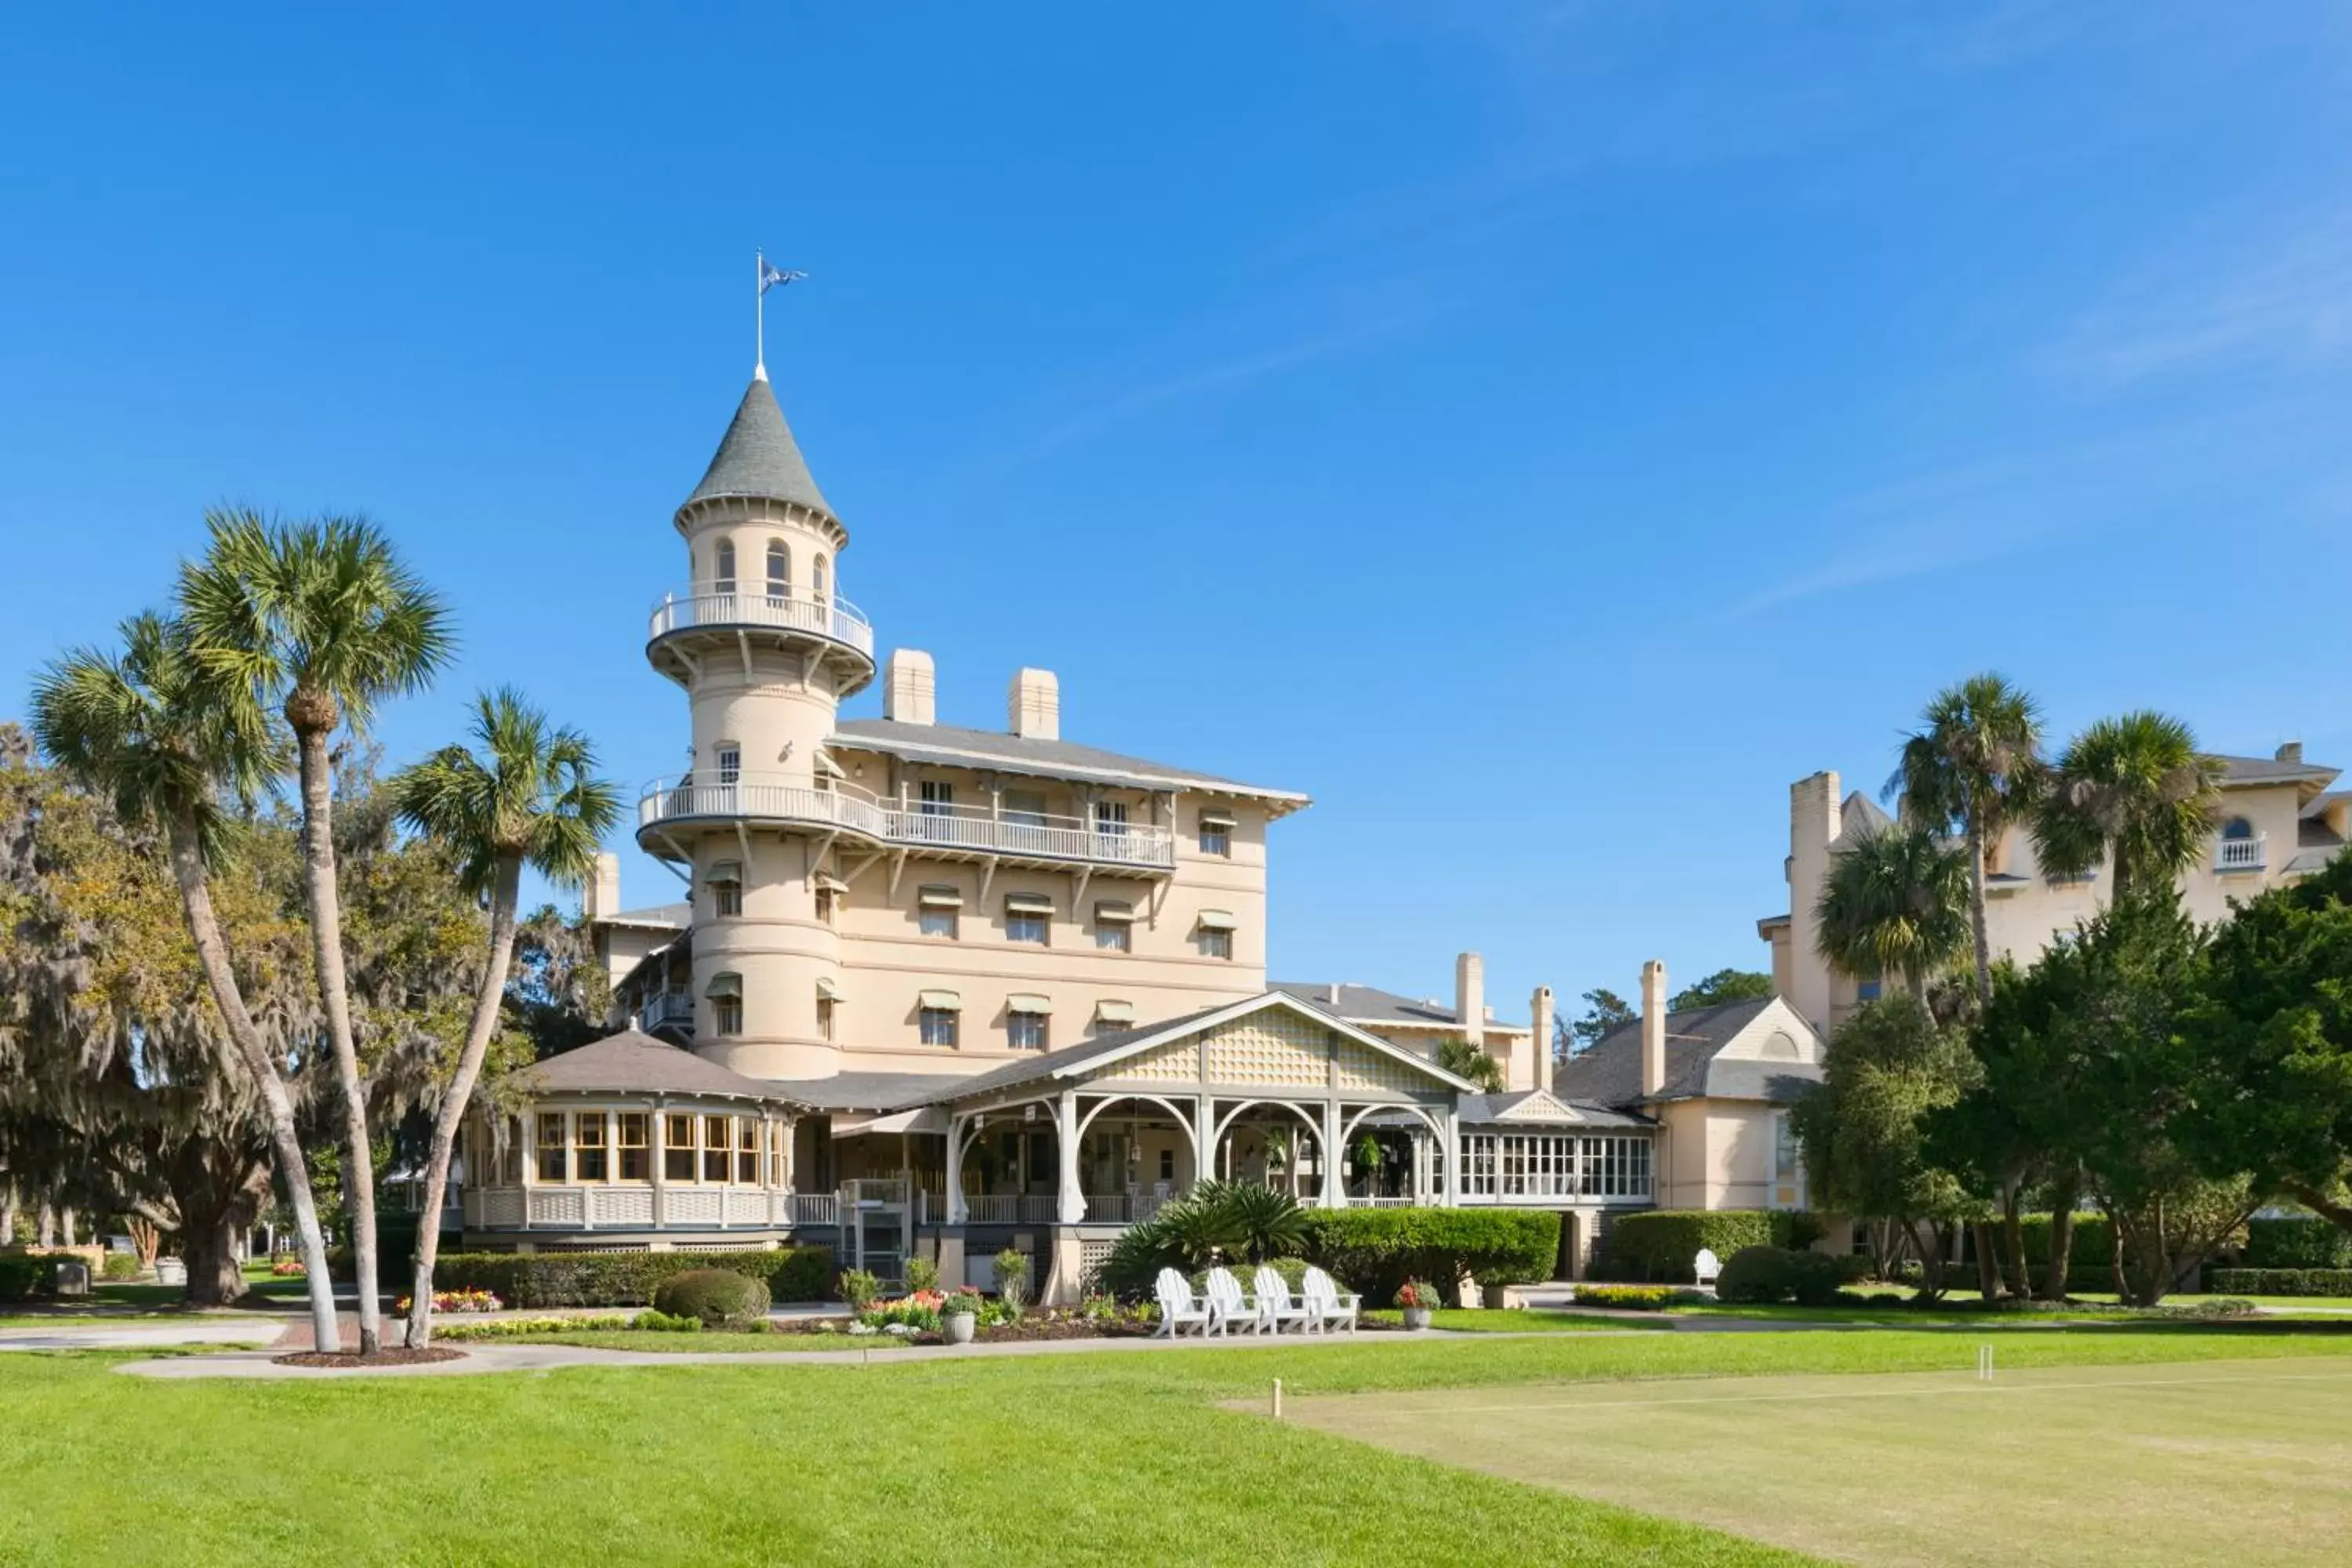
<point>758,456</point>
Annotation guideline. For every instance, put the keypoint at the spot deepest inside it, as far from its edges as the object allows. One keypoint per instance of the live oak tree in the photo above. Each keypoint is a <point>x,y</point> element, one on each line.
<point>1723,985</point>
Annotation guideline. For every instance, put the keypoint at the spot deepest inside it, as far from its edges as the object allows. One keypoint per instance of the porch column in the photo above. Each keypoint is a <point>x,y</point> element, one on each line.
<point>1204,1137</point>
<point>1335,1189</point>
<point>1065,1140</point>
<point>1420,1165</point>
<point>1452,1159</point>
<point>658,1154</point>
<point>957,1214</point>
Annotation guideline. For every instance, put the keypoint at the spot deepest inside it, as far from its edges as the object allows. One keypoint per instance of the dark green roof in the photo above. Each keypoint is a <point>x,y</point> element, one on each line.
<point>760,457</point>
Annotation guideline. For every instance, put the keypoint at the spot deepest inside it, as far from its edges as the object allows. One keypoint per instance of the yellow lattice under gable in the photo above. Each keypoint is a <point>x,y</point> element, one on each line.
<point>1363,1068</point>
<point>1176,1063</point>
<point>1272,1047</point>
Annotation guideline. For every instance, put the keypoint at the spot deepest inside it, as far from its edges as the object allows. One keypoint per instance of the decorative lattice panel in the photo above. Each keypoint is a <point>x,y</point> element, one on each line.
<point>1273,1047</point>
<point>1092,1256</point>
<point>1363,1068</point>
<point>1177,1063</point>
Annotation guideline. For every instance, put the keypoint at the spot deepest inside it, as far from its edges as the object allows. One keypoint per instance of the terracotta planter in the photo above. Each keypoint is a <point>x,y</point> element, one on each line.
<point>1416,1317</point>
<point>958,1327</point>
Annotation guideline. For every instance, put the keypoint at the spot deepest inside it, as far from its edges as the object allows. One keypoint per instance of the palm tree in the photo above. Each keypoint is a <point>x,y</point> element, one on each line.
<point>1463,1060</point>
<point>2136,785</point>
<point>150,730</point>
<point>321,616</point>
<point>1974,765</point>
<point>1895,903</point>
<point>531,797</point>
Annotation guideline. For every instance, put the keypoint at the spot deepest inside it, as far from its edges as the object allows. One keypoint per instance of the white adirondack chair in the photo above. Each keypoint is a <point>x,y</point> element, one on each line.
<point>1325,1303</point>
<point>1179,1306</point>
<point>1706,1267</point>
<point>1230,1305</point>
<point>1275,1305</point>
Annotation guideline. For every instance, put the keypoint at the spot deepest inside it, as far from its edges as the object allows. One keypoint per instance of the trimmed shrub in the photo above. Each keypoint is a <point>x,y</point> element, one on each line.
<point>716,1298</point>
<point>654,1321</point>
<point>1815,1279</point>
<point>1376,1250</point>
<point>2300,1241</point>
<point>24,1276</point>
<point>526,1281</point>
<point>1637,1298</point>
<point>1756,1276</point>
<point>1292,1270</point>
<point>121,1265</point>
<point>1658,1245</point>
<point>2279,1281</point>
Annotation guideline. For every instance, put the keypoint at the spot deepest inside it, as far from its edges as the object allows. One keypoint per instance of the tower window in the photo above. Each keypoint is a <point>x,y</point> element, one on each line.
<point>725,575</point>
<point>726,996</point>
<point>818,578</point>
<point>780,570</point>
<point>726,889</point>
<point>825,1017</point>
<point>1217,835</point>
<point>730,758</point>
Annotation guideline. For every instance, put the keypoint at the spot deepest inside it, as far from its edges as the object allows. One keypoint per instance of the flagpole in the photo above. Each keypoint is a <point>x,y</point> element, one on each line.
<point>759,316</point>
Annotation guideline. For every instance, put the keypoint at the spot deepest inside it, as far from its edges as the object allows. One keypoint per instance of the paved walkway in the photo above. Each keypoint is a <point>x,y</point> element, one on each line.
<point>118,1336</point>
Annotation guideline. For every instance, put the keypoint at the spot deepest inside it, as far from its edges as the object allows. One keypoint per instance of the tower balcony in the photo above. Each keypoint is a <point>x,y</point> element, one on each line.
<point>700,613</point>
<point>929,828</point>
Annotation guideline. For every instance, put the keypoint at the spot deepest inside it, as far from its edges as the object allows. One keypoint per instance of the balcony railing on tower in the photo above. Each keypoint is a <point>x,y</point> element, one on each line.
<point>703,608</point>
<point>975,830</point>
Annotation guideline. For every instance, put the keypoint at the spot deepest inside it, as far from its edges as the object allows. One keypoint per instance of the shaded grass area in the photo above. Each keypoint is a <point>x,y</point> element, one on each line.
<point>1109,1457</point>
<point>2203,1464</point>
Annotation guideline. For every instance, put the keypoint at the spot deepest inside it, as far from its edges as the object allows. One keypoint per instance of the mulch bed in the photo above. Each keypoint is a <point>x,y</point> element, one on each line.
<point>394,1356</point>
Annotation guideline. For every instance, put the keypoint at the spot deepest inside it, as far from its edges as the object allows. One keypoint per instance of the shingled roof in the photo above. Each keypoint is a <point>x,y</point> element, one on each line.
<point>1610,1071</point>
<point>632,1062</point>
<point>759,457</point>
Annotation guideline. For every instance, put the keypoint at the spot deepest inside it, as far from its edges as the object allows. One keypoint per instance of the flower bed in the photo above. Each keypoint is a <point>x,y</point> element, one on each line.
<point>455,1301</point>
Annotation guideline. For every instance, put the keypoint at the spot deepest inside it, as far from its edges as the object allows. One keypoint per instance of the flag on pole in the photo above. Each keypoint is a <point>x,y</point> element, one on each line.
<point>770,276</point>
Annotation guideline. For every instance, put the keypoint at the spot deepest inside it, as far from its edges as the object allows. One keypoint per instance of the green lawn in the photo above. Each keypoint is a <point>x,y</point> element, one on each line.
<point>2198,1465</point>
<point>1119,1457</point>
<point>1514,1321</point>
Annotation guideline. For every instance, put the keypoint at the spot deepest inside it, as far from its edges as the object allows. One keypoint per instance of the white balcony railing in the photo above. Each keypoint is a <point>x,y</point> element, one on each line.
<point>2240,854</point>
<point>827,615</point>
<point>1026,835</point>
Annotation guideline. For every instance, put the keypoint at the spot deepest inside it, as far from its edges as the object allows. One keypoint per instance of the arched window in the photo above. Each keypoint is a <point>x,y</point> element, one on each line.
<point>725,575</point>
<point>817,578</point>
<point>780,570</point>
<point>2237,827</point>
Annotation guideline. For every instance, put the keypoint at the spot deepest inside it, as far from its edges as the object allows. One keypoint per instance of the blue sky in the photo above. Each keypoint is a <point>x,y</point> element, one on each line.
<point>1541,435</point>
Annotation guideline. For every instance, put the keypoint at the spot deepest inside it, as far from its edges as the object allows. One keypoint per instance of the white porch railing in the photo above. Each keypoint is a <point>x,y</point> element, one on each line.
<point>1026,835</point>
<point>1011,1209</point>
<point>2241,854</point>
<point>629,1207</point>
<point>825,616</point>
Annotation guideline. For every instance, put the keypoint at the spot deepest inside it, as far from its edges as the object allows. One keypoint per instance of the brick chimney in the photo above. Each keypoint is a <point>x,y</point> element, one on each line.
<point>910,688</point>
<point>1539,1028</point>
<point>1653,1028</point>
<point>1470,997</point>
<point>1034,705</point>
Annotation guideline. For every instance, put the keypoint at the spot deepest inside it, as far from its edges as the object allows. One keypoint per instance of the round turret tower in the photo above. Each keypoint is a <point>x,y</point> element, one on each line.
<point>766,648</point>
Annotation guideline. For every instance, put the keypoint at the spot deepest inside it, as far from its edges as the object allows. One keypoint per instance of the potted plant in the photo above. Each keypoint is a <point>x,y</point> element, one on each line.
<point>1417,1296</point>
<point>959,1315</point>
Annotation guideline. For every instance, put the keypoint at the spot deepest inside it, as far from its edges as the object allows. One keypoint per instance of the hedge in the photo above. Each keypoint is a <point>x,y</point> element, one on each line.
<point>625,1278</point>
<point>2279,1281</point>
<point>1376,1250</point>
<point>1658,1245</point>
<point>23,1275</point>
<point>2300,1241</point>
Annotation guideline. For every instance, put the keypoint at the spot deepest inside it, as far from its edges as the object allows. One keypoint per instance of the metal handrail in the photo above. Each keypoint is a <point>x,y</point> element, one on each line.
<point>826,615</point>
<point>917,823</point>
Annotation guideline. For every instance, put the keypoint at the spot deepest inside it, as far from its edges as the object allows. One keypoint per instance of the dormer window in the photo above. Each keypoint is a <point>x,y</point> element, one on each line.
<point>725,577</point>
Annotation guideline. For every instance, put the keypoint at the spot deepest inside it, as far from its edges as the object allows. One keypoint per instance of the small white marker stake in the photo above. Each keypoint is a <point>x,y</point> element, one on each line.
<point>1277,1399</point>
<point>1984,1364</point>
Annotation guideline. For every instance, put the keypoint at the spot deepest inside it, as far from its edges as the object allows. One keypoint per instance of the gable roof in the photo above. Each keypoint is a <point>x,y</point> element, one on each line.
<point>1610,1071</point>
<point>1534,1106</point>
<point>2239,772</point>
<point>950,745</point>
<point>1106,1051</point>
<point>1373,1007</point>
<point>634,1062</point>
<point>759,457</point>
<point>1859,817</point>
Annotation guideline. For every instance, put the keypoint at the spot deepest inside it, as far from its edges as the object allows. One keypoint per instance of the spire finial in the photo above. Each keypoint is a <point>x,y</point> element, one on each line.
<point>768,278</point>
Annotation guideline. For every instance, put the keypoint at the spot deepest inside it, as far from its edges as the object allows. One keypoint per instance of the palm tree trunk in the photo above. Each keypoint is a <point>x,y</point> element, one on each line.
<point>1977,912</point>
<point>334,998</point>
<point>452,1114</point>
<point>277,1106</point>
